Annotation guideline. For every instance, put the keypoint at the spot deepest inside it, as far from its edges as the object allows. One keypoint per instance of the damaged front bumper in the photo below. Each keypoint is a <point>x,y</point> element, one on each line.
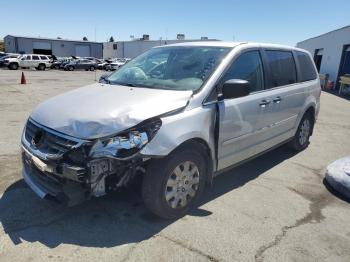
<point>45,181</point>
<point>62,167</point>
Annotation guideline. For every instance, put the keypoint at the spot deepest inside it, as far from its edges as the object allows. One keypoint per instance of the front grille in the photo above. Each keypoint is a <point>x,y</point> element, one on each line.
<point>46,141</point>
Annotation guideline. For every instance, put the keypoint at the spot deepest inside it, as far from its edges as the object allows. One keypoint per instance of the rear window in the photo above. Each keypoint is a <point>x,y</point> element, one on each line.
<point>282,68</point>
<point>307,69</point>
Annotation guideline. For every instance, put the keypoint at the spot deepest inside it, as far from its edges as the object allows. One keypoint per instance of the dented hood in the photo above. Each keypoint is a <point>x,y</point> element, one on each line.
<point>100,110</point>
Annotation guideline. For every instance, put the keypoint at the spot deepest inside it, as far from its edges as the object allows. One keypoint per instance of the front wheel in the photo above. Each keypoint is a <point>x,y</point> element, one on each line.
<point>171,186</point>
<point>304,131</point>
<point>13,66</point>
<point>92,68</point>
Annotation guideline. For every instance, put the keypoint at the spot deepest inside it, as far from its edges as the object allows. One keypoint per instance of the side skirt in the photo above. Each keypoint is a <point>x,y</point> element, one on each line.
<point>216,173</point>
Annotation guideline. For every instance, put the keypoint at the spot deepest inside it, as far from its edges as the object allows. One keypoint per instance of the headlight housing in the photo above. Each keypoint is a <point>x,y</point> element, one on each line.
<point>128,143</point>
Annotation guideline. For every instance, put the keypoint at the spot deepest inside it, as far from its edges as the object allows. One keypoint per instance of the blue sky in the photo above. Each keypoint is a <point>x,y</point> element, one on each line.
<point>283,22</point>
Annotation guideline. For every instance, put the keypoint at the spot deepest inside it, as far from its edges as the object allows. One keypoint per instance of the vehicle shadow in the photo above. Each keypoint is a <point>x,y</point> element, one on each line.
<point>110,221</point>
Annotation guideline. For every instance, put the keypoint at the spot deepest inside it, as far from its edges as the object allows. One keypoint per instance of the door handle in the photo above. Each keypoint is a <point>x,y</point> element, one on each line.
<point>277,100</point>
<point>264,102</point>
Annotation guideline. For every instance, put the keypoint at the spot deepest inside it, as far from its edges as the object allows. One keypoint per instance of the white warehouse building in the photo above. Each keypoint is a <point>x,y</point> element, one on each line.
<point>52,46</point>
<point>131,49</point>
<point>331,52</point>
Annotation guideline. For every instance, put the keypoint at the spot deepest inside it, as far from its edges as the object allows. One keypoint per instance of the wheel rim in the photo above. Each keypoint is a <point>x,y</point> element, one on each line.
<point>304,131</point>
<point>182,185</point>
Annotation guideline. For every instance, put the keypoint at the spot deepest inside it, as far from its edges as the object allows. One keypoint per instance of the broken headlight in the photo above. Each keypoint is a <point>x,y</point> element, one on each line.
<point>128,143</point>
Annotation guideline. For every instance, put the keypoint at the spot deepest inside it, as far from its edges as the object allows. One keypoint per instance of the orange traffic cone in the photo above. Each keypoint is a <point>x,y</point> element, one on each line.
<point>23,79</point>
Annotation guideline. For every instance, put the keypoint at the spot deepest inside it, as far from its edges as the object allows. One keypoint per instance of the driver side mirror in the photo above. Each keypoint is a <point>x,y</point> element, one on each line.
<point>103,78</point>
<point>235,88</point>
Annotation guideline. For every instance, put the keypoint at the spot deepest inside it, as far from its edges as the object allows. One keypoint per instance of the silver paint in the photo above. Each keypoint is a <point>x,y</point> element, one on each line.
<point>100,110</point>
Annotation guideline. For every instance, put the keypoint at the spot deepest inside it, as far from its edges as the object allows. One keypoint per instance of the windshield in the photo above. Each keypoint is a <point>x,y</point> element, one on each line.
<point>175,68</point>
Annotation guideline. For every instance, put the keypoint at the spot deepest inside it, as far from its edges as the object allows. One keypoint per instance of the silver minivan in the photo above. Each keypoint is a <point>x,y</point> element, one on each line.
<point>175,117</point>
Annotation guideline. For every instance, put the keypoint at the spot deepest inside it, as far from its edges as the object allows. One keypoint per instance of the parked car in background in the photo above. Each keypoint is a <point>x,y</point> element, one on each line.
<point>82,64</point>
<point>119,62</point>
<point>176,123</point>
<point>39,62</point>
<point>89,58</point>
<point>57,64</point>
<point>2,59</point>
<point>105,65</point>
<point>67,61</point>
<point>93,59</point>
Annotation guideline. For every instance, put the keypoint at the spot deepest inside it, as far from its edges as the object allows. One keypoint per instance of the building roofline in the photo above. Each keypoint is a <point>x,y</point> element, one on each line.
<point>324,34</point>
<point>53,39</point>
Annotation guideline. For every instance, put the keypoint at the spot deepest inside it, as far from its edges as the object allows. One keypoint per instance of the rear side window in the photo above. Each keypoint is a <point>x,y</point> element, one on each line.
<point>35,57</point>
<point>307,69</point>
<point>282,68</point>
<point>247,66</point>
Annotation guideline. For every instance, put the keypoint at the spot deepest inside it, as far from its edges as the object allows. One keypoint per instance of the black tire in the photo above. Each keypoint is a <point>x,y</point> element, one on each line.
<point>13,66</point>
<point>92,68</point>
<point>71,68</point>
<point>57,67</point>
<point>301,138</point>
<point>41,67</point>
<point>154,184</point>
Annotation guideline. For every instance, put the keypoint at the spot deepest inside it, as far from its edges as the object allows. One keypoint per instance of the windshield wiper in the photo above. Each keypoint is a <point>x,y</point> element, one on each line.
<point>130,84</point>
<point>122,84</point>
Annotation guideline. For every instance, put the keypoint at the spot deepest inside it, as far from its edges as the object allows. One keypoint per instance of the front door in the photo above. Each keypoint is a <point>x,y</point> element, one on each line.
<point>25,61</point>
<point>240,118</point>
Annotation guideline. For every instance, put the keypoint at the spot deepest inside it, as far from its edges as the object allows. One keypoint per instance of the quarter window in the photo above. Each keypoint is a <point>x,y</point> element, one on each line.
<point>307,69</point>
<point>247,66</point>
<point>282,68</point>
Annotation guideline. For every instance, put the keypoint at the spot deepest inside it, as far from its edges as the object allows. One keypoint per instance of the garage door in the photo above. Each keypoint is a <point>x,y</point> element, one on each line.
<point>43,48</point>
<point>82,50</point>
<point>42,45</point>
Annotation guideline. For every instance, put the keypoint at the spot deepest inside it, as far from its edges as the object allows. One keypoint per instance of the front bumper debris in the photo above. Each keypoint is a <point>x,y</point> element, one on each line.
<point>46,184</point>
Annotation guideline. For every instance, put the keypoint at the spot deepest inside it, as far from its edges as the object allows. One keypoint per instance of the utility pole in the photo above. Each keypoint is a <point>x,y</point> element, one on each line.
<point>102,55</point>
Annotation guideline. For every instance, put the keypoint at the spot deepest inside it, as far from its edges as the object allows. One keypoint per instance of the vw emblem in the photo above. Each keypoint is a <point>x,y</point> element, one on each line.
<point>37,138</point>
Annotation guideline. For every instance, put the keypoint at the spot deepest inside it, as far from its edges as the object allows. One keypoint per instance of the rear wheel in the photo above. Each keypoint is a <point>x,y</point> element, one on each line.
<point>92,68</point>
<point>41,67</point>
<point>71,68</point>
<point>304,131</point>
<point>173,185</point>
